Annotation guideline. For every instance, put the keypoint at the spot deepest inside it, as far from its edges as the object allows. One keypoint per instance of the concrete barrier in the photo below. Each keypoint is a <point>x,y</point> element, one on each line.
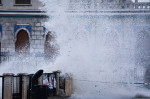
<point>8,86</point>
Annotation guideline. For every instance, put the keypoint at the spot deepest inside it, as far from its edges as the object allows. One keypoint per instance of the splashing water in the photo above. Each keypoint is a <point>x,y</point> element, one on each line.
<point>99,51</point>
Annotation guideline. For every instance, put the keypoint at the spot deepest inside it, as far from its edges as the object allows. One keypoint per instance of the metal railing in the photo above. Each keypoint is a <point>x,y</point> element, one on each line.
<point>19,86</point>
<point>142,5</point>
<point>31,86</point>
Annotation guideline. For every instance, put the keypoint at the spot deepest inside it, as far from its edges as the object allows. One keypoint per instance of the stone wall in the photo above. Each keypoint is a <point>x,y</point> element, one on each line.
<point>91,5</point>
<point>10,26</point>
<point>10,4</point>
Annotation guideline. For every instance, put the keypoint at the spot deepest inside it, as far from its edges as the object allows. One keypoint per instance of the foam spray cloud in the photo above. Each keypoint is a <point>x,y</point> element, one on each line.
<point>100,51</point>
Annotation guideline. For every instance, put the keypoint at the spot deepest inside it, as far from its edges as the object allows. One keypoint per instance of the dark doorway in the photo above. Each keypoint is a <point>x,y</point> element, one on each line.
<point>22,46</point>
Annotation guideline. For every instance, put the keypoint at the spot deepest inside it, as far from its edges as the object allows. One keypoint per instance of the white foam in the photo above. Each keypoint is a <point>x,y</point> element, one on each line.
<point>95,49</point>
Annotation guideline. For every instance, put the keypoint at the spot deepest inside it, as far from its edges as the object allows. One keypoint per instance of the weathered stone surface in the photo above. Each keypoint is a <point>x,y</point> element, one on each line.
<point>8,85</point>
<point>68,86</point>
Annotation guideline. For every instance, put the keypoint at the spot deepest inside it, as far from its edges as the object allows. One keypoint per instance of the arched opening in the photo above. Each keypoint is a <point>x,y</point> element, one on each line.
<point>111,38</point>
<point>0,52</point>
<point>22,45</point>
<point>0,48</point>
<point>48,47</point>
<point>143,54</point>
<point>143,47</point>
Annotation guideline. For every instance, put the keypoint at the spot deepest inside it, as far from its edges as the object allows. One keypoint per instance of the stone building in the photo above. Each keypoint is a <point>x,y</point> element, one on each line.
<point>22,28</point>
<point>91,5</point>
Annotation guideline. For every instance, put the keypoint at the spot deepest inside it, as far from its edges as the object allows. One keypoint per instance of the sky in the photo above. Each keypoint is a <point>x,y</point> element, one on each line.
<point>142,0</point>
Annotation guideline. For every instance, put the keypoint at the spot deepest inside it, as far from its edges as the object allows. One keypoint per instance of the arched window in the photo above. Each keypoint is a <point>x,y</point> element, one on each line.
<point>50,48</point>
<point>22,45</point>
<point>111,38</point>
<point>143,54</point>
<point>143,41</point>
<point>48,51</point>
<point>143,49</point>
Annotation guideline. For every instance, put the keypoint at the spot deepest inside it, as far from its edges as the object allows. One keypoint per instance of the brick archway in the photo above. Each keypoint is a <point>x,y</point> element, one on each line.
<point>22,45</point>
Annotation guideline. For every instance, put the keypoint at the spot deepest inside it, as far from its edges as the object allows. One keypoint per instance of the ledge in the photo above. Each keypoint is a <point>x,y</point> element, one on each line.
<point>8,74</point>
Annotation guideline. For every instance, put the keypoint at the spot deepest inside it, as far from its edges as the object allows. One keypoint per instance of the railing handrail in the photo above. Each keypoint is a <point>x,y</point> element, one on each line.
<point>31,74</point>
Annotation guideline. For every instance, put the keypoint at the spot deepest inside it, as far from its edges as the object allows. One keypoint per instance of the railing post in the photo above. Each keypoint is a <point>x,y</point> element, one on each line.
<point>68,85</point>
<point>8,86</point>
<point>24,85</point>
<point>2,87</point>
<point>57,74</point>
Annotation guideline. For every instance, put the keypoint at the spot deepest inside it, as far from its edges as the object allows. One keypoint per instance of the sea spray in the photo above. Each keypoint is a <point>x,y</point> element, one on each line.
<point>98,49</point>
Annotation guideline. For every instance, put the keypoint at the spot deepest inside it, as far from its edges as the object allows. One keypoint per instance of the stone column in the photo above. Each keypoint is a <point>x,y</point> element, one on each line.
<point>68,86</point>
<point>8,86</point>
<point>25,84</point>
<point>57,74</point>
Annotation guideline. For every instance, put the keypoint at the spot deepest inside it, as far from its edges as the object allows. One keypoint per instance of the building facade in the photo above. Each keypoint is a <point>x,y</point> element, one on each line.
<point>22,28</point>
<point>120,32</point>
<point>92,5</point>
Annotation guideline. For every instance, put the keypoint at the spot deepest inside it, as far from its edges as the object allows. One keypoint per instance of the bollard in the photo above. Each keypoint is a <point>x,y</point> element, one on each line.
<point>8,86</point>
<point>57,75</point>
<point>24,81</point>
<point>68,85</point>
